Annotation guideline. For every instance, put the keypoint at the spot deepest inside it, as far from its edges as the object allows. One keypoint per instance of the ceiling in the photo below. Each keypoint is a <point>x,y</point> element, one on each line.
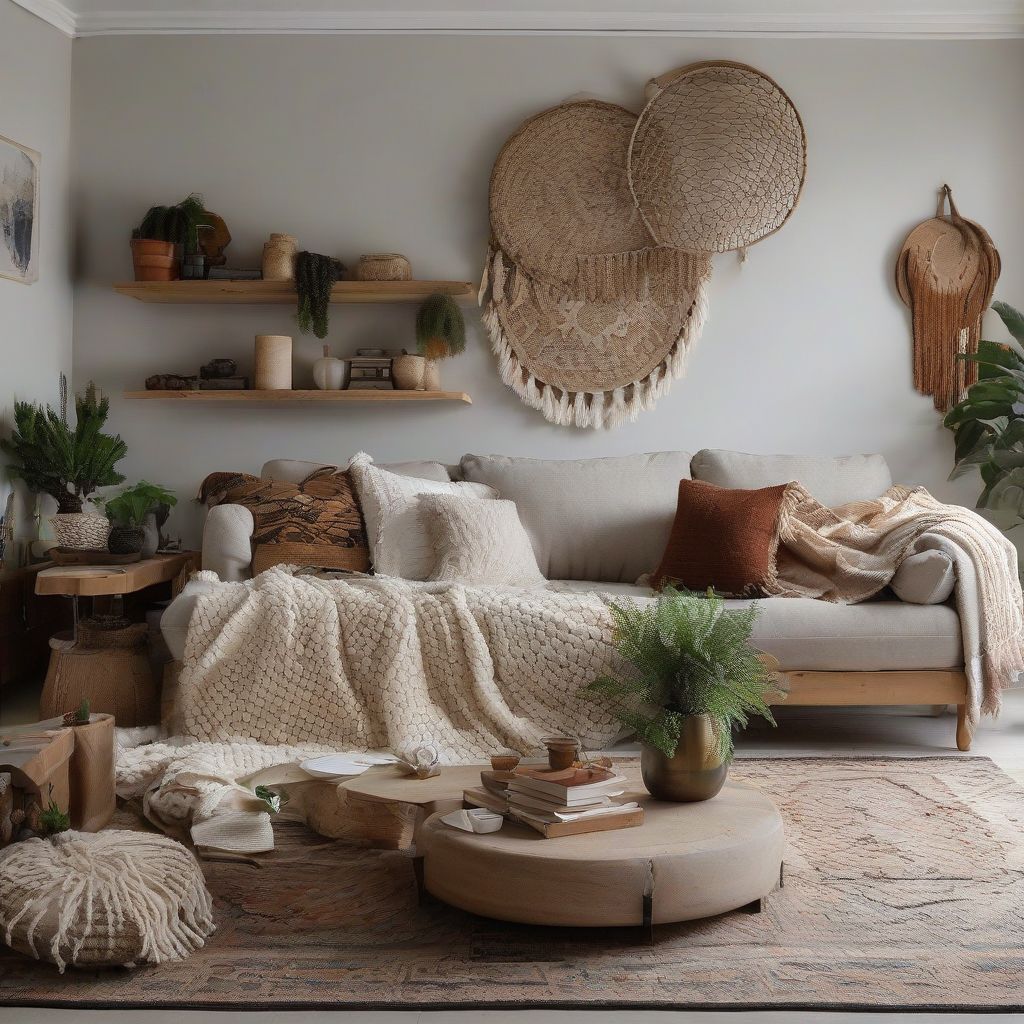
<point>916,19</point>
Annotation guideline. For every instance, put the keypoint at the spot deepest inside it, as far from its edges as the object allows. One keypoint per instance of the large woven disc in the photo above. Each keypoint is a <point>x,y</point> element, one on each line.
<point>559,192</point>
<point>717,158</point>
<point>588,345</point>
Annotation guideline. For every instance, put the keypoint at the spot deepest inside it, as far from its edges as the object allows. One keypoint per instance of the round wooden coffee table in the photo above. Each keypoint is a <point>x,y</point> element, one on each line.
<point>686,861</point>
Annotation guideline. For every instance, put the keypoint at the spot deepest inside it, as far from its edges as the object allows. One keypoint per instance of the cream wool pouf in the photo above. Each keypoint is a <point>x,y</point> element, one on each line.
<point>113,898</point>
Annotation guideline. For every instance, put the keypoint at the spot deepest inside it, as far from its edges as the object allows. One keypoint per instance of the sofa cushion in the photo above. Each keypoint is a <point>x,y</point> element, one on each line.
<point>315,522</point>
<point>227,542</point>
<point>825,637</point>
<point>400,544</point>
<point>926,577</point>
<point>722,537</point>
<point>833,481</point>
<point>590,519</point>
<point>296,470</point>
<point>479,542</point>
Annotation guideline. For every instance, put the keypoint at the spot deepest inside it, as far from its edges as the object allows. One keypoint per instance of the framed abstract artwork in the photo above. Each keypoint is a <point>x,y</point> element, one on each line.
<point>19,212</point>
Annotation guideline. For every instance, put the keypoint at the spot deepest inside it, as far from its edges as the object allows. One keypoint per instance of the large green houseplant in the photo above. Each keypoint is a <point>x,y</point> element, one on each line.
<point>988,425</point>
<point>692,678</point>
<point>66,462</point>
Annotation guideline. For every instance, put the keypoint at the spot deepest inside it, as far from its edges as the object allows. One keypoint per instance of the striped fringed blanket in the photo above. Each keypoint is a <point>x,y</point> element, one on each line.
<point>850,553</point>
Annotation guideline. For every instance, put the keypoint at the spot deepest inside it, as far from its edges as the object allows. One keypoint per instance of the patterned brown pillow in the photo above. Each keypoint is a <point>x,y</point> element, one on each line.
<point>316,522</point>
<point>722,538</point>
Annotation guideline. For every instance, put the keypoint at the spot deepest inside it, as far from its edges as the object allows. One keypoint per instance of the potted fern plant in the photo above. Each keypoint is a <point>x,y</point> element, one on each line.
<point>66,462</point>
<point>155,241</point>
<point>692,677</point>
<point>440,334</point>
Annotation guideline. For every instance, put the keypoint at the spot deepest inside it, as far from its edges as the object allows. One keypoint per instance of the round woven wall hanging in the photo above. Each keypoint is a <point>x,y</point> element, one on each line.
<point>589,362</point>
<point>559,195</point>
<point>946,273</point>
<point>717,158</point>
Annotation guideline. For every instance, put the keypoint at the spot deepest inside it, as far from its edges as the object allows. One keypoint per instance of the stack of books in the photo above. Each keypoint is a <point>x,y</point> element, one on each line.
<point>562,803</point>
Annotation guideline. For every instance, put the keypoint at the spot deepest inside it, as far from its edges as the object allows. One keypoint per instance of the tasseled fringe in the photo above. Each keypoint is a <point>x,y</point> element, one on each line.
<point>586,409</point>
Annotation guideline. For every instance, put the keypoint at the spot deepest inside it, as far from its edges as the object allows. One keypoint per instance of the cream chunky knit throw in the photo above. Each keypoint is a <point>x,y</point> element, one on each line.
<point>384,664</point>
<point>849,554</point>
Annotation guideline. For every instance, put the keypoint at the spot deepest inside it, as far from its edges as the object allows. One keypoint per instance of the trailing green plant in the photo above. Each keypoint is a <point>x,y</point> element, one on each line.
<point>133,504</point>
<point>988,425</point>
<point>67,463</point>
<point>178,224</point>
<point>440,328</point>
<point>315,276</point>
<point>687,654</point>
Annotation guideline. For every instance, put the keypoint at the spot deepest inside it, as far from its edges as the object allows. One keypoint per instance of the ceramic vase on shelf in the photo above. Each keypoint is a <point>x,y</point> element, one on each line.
<point>279,257</point>
<point>272,364</point>
<point>432,375</point>
<point>81,531</point>
<point>695,772</point>
<point>328,372</point>
<point>407,372</point>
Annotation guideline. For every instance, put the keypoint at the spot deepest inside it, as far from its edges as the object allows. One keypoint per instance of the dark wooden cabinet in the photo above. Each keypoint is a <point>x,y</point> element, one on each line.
<point>27,621</point>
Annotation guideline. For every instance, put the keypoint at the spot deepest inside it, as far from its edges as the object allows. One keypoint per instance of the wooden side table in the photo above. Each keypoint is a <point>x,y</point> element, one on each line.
<point>117,678</point>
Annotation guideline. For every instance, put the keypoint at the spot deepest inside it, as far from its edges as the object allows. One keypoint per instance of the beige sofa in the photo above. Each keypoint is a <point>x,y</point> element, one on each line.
<point>601,524</point>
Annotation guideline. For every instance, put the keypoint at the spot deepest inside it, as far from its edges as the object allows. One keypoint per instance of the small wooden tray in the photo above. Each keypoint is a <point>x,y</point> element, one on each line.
<point>90,556</point>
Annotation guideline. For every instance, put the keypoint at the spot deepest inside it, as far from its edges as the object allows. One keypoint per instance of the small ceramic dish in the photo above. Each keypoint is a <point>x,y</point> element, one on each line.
<point>476,819</point>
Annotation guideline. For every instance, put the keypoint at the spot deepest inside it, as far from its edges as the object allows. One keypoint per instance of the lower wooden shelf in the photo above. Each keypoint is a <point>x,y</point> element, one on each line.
<point>279,397</point>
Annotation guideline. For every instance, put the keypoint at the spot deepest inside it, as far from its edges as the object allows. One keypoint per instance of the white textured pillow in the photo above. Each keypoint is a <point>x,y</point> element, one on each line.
<point>480,542</point>
<point>395,531</point>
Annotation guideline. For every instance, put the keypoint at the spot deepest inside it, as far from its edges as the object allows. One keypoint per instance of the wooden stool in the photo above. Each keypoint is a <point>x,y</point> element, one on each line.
<point>116,681</point>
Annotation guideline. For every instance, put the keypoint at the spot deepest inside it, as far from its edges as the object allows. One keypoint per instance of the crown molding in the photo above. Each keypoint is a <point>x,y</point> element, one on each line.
<point>998,20</point>
<point>53,12</point>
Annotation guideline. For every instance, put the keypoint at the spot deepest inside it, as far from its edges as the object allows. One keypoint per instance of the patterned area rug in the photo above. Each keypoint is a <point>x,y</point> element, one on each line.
<point>904,890</point>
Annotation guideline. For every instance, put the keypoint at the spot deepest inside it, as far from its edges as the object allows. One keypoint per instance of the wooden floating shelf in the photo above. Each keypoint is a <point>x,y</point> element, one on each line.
<point>283,292</point>
<point>279,397</point>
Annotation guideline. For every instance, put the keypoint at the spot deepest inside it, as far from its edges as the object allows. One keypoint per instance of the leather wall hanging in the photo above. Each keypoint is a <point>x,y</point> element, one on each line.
<point>946,273</point>
<point>589,315</point>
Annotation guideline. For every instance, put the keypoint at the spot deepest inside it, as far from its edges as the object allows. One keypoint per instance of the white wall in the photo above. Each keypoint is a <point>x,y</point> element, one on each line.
<point>361,144</point>
<point>35,320</point>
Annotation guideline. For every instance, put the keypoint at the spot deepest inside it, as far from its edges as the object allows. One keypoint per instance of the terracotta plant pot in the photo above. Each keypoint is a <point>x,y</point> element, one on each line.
<point>154,260</point>
<point>696,772</point>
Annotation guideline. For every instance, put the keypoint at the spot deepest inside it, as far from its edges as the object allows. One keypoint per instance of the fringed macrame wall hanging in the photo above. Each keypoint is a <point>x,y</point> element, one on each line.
<point>589,314</point>
<point>946,273</point>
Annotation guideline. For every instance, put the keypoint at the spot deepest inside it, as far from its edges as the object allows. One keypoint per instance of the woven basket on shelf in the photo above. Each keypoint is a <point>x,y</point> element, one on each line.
<point>383,266</point>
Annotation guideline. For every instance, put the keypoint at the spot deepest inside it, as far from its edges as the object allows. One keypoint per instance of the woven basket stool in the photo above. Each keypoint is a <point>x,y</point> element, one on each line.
<point>116,678</point>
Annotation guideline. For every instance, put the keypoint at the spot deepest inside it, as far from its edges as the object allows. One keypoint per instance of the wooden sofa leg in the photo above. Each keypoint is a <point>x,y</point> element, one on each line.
<point>964,729</point>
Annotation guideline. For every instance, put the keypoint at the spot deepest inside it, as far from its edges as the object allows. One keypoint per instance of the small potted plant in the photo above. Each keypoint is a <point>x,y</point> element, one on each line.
<point>67,463</point>
<point>692,678</point>
<point>440,334</point>
<point>154,242</point>
<point>132,516</point>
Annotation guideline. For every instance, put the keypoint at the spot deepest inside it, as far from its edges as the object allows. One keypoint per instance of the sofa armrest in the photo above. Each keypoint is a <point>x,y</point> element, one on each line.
<point>924,577</point>
<point>227,542</point>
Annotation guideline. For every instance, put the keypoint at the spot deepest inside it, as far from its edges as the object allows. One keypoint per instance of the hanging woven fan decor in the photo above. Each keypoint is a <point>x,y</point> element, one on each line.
<point>946,273</point>
<point>717,158</point>
<point>590,321</point>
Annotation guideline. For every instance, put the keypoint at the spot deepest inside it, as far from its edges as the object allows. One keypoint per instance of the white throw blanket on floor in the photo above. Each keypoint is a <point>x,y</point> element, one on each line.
<point>382,664</point>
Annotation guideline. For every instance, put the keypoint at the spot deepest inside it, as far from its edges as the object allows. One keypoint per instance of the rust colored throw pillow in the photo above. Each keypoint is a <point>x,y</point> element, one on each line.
<point>316,522</point>
<point>722,538</point>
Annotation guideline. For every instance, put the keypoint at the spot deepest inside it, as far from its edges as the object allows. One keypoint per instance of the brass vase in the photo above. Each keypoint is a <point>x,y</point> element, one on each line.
<point>696,772</point>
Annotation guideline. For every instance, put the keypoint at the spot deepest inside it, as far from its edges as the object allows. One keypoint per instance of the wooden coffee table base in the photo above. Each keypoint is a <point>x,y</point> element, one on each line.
<point>686,861</point>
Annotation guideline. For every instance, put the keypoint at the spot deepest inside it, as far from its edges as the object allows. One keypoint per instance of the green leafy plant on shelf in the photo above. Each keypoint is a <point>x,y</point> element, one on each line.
<point>134,504</point>
<point>178,224</point>
<point>315,277</point>
<point>687,655</point>
<point>440,327</point>
<point>988,425</point>
<point>68,463</point>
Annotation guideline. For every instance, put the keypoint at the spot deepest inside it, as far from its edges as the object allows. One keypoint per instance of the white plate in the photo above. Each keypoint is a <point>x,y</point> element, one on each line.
<point>338,766</point>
